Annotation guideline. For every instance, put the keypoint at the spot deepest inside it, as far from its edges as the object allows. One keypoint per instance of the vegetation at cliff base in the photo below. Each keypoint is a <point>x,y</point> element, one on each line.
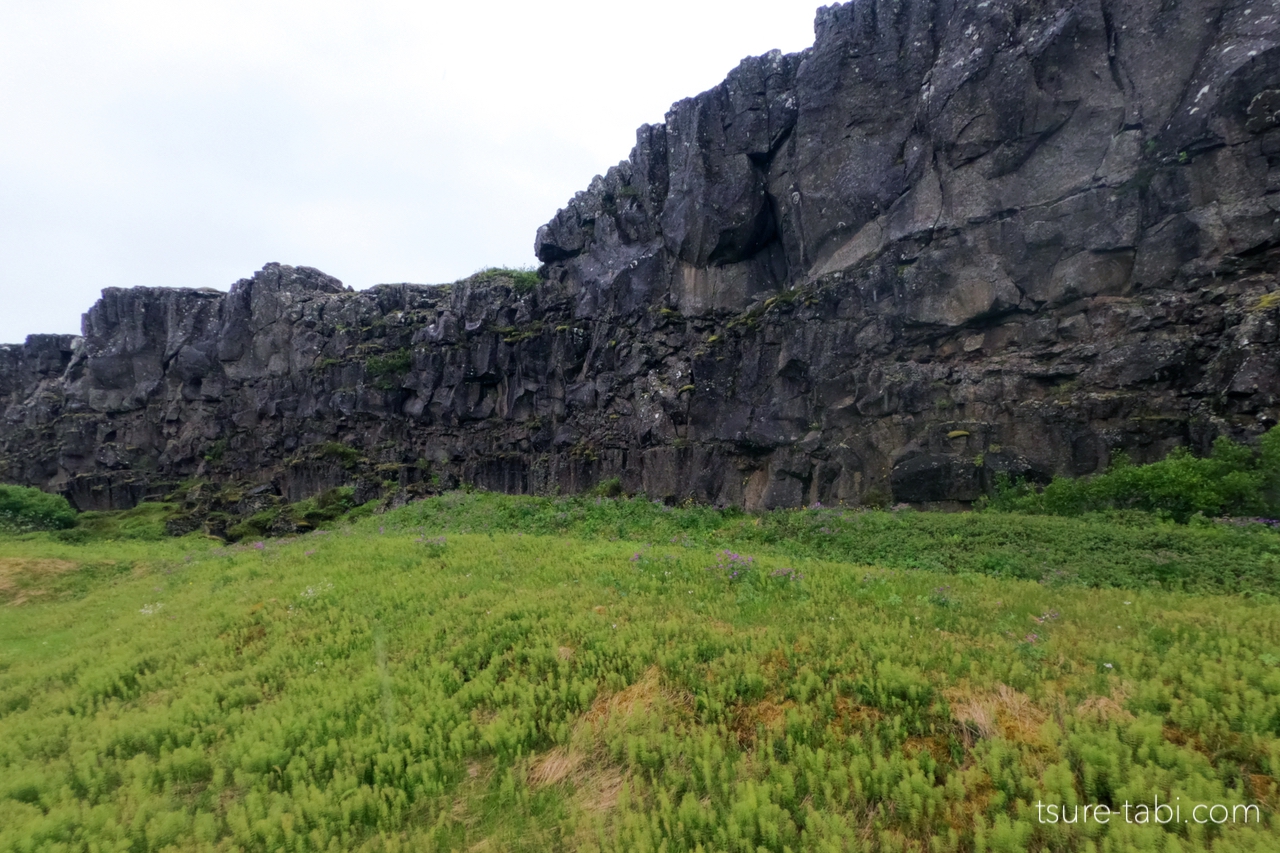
<point>479,672</point>
<point>1234,480</point>
<point>24,509</point>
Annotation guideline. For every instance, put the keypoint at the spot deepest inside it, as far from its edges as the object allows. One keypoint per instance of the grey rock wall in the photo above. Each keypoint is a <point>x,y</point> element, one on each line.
<point>949,240</point>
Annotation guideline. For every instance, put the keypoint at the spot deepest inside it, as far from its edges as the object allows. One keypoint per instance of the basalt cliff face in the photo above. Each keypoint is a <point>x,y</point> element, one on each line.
<point>951,239</point>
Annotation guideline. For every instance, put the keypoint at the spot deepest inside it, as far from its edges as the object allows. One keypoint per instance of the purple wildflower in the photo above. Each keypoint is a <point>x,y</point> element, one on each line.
<point>732,563</point>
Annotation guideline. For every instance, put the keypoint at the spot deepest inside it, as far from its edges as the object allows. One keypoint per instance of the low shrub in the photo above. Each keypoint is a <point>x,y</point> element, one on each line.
<point>145,522</point>
<point>325,507</point>
<point>301,516</point>
<point>386,370</point>
<point>345,455</point>
<point>1233,480</point>
<point>523,280</point>
<point>610,488</point>
<point>390,363</point>
<point>23,508</point>
<point>258,524</point>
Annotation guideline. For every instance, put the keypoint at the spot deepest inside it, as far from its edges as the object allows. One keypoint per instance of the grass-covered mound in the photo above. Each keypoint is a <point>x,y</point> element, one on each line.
<point>564,675</point>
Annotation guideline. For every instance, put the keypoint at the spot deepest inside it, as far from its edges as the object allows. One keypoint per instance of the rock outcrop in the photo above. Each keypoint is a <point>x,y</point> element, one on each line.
<point>950,240</point>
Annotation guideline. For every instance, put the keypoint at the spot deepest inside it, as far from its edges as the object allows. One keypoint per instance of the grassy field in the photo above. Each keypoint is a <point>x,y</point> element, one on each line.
<point>476,672</point>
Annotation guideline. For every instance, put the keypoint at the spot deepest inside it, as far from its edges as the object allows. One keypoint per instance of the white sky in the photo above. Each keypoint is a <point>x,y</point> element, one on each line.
<point>189,142</point>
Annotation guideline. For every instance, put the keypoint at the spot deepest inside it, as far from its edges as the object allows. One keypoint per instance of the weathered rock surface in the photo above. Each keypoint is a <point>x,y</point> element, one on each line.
<point>947,241</point>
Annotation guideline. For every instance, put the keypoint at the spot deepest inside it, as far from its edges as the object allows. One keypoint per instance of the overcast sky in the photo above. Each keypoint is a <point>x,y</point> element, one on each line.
<point>188,143</point>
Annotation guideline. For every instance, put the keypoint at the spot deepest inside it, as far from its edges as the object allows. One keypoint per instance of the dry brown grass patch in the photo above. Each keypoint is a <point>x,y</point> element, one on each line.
<point>481,716</point>
<point>16,573</point>
<point>640,696</point>
<point>764,714</point>
<point>935,745</point>
<point>1181,737</point>
<point>774,663</point>
<point>1003,712</point>
<point>584,763</point>
<point>554,767</point>
<point>1264,790</point>
<point>1104,709</point>
<point>602,794</point>
<point>595,785</point>
<point>850,715</point>
<point>598,792</point>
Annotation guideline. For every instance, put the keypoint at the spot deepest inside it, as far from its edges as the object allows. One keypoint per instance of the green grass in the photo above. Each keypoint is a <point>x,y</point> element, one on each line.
<point>1128,550</point>
<point>564,676</point>
<point>387,369</point>
<point>522,280</point>
<point>145,521</point>
<point>344,454</point>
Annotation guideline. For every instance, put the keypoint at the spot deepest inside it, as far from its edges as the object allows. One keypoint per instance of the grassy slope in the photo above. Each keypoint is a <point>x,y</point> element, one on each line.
<point>533,684</point>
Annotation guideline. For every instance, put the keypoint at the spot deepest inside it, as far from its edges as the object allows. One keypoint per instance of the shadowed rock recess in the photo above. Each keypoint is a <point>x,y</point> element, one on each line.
<point>948,240</point>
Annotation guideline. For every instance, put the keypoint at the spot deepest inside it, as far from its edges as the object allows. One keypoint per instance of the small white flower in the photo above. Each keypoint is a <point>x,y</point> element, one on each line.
<point>1108,666</point>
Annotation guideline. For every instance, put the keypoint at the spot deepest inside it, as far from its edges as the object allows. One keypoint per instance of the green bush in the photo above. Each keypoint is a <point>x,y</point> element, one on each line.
<point>344,454</point>
<point>23,508</point>
<point>522,280</point>
<point>145,522</point>
<point>325,507</point>
<point>1232,480</point>
<point>610,488</point>
<point>303,515</point>
<point>258,524</point>
<point>1269,465</point>
<point>386,370</point>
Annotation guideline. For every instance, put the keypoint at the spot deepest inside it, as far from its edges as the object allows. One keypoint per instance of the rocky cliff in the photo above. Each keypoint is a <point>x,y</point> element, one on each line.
<point>949,240</point>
